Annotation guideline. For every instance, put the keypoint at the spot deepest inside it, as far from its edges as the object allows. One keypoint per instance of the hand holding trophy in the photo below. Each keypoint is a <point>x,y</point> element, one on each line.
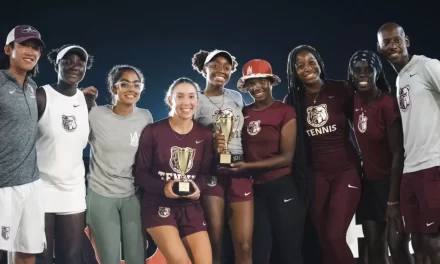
<point>184,187</point>
<point>226,125</point>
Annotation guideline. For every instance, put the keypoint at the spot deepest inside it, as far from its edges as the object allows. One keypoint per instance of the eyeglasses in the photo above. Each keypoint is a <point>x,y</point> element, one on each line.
<point>127,85</point>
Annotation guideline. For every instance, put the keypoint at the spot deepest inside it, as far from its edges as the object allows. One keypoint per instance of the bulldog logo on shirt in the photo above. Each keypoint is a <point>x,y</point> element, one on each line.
<point>362,123</point>
<point>404,99</point>
<point>254,127</point>
<point>317,115</point>
<point>211,181</point>
<point>69,123</point>
<point>164,212</point>
<point>5,232</point>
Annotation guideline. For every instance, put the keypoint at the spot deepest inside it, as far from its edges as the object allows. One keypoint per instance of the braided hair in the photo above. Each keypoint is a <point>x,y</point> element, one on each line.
<point>296,97</point>
<point>373,60</point>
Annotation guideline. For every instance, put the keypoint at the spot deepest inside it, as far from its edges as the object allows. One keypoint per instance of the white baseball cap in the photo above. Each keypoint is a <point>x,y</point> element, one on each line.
<point>68,49</point>
<point>216,52</point>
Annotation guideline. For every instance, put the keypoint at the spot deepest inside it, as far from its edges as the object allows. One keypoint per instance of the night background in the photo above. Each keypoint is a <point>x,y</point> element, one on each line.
<point>161,40</point>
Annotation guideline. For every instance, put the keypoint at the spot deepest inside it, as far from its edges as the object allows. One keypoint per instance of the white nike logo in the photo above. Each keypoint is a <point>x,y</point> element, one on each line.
<point>11,92</point>
<point>204,223</point>
<point>246,194</point>
<point>245,117</point>
<point>356,109</point>
<point>286,200</point>
<point>330,97</point>
<point>351,186</point>
<point>197,142</point>
<point>429,224</point>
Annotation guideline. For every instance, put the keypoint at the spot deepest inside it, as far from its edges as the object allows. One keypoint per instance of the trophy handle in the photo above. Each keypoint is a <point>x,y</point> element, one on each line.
<point>216,126</point>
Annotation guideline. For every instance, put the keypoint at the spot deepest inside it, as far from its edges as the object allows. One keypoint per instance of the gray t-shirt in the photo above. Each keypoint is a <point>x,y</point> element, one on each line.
<point>18,131</point>
<point>231,103</point>
<point>113,145</point>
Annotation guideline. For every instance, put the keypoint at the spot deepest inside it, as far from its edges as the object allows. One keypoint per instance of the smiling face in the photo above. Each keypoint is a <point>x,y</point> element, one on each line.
<point>218,71</point>
<point>259,88</point>
<point>307,68</point>
<point>364,76</point>
<point>24,56</point>
<point>72,68</point>
<point>128,88</point>
<point>183,100</point>
<point>393,44</point>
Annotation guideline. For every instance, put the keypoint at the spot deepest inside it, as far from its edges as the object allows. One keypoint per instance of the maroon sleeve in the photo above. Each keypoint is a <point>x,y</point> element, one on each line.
<point>144,163</point>
<point>207,165</point>
<point>289,114</point>
<point>390,110</point>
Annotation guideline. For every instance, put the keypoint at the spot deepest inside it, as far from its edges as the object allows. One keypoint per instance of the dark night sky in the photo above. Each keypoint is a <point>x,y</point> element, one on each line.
<point>161,40</point>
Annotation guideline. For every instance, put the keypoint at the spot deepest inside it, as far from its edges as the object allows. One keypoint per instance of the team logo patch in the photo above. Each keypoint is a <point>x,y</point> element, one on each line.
<point>164,212</point>
<point>69,123</point>
<point>254,127</point>
<point>404,99</point>
<point>134,139</point>
<point>362,123</point>
<point>317,116</point>
<point>5,232</point>
<point>212,181</point>
<point>29,30</point>
<point>31,90</point>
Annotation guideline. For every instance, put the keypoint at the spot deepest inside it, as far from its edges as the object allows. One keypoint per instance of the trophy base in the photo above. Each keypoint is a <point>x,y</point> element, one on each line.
<point>183,188</point>
<point>225,160</point>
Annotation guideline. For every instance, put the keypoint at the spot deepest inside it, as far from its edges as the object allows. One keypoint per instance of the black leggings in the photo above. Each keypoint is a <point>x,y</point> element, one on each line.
<point>68,231</point>
<point>278,222</point>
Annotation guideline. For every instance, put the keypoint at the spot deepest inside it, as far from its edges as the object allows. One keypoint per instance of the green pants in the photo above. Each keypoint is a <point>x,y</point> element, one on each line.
<point>108,220</point>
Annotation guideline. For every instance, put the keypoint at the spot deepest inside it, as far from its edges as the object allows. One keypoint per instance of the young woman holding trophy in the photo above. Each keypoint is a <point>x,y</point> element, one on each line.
<point>221,110</point>
<point>269,138</point>
<point>174,158</point>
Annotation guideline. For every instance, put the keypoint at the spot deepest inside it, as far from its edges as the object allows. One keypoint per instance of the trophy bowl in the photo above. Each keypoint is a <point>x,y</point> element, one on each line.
<point>184,158</point>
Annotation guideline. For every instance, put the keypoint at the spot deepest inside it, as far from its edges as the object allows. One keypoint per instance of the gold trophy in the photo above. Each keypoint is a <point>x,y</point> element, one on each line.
<point>225,124</point>
<point>184,186</point>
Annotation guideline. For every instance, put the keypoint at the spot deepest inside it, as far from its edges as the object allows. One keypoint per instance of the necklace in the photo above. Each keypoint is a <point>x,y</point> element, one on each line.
<point>314,99</point>
<point>263,108</point>
<point>369,104</point>
<point>222,102</point>
<point>178,136</point>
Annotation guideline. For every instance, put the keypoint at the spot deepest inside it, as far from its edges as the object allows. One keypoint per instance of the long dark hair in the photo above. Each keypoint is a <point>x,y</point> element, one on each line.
<point>5,64</point>
<point>302,161</point>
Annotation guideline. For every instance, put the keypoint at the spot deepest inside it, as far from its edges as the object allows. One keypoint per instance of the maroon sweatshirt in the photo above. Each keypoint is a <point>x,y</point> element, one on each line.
<point>157,163</point>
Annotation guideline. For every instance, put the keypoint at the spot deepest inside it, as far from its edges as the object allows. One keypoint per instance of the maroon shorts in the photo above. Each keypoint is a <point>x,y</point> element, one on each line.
<point>420,201</point>
<point>188,219</point>
<point>231,188</point>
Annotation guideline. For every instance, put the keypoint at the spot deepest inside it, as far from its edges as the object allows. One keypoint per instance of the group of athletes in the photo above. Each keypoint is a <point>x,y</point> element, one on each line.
<point>342,147</point>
